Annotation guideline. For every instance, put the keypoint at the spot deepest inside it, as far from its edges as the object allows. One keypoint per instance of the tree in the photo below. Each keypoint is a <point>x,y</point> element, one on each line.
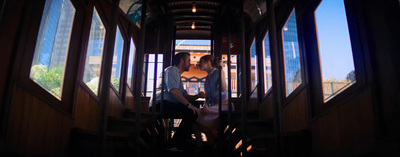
<point>49,79</point>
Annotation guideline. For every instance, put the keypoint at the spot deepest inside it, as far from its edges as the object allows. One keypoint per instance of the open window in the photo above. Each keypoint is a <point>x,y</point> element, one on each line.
<point>117,60</point>
<point>52,45</point>
<point>291,55</point>
<point>267,64</point>
<point>335,51</point>
<point>94,53</point>
<point>253,65</point>
<point>132,52</point>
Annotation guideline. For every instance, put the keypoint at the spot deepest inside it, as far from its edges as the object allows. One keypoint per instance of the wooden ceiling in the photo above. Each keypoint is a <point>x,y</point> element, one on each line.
<point>180,12</point>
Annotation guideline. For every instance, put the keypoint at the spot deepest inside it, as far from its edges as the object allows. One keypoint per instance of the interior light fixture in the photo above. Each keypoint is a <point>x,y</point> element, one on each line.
<point>193,26</point>
<point>194,7</point>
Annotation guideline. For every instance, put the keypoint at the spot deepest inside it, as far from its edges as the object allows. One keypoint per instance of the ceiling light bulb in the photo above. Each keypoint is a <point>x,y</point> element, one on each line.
<point>194,8</point>
<point>193,26</point>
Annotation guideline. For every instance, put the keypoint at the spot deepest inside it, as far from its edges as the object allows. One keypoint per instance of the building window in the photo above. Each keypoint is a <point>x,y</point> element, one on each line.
<point>149,65</point>
<point>50,57</point>
<point>291,54</point>
<point>117,59</point>
<point>337,65</point>
<point>267,64</point>
<point>132,51</point>
<point>253,65</point>
<point>94,53</point>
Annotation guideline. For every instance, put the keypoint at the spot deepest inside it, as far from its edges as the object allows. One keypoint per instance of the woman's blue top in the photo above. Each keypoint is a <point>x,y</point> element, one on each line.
<point>211,87</point>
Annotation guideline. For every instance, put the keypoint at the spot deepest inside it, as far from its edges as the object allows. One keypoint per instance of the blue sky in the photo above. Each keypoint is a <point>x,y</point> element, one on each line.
<point>334,41</point>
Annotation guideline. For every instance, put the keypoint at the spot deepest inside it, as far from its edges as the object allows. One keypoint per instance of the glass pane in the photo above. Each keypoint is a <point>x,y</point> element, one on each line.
<point>150,72</point>
<point>94,53</point>
<point>334,48</point>
<point>52,45</point>
<point>117,59</point>
<point>267,65</point>
<point>291,54</point>
<point>253,65</point>
<point>234,70</point>
<point>132,51</point>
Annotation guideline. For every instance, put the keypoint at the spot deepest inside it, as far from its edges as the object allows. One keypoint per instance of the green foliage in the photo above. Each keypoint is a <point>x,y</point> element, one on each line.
<point>115,82</point>
<point>49,79</point>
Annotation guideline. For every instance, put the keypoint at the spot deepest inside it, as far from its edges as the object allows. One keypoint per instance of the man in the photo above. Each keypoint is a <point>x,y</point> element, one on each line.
<point>176,102</point>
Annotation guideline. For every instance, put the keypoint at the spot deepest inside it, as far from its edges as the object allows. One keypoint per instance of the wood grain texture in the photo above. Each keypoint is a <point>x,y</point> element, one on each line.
<point>35,127</point>
<point>86,111</point>
<point>267,108</point>
<point>115,106</point>
<point>129,100</point>
<point>295,114</point>
<point>347,129</point>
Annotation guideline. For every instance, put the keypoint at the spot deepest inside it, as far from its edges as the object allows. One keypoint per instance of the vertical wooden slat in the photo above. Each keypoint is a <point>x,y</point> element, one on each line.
<point>276,90</point>
<point>106,78</point>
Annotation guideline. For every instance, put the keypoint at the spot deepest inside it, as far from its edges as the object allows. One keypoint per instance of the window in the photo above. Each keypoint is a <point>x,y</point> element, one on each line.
<point>149,65</point>
<point>117,59</point>
<point>291,55</point>
<point>132,51</point>
<point>234,73</point>
<point>48,65</point>
<point>194,79</point>
<point>267,64</point>
<point>94,53</point>
<point>337,65</point>
<point>253,63</point>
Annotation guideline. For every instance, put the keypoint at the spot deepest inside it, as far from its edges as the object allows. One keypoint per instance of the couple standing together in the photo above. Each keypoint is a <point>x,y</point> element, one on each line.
<point>177,104</point>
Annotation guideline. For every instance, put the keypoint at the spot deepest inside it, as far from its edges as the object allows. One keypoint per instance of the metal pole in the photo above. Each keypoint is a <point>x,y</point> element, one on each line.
<point>244,80</point>
<point>228,41</point>
<point>220,129</point>
<point>155,84</point>
<point>212,41</point>
<point>276,90</point>
<point>139,72</point>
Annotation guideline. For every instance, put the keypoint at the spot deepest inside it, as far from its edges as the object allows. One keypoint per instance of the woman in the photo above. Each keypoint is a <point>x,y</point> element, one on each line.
<point>208,115</point>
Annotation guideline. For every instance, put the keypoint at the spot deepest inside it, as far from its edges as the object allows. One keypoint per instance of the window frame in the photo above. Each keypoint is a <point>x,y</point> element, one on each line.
<point>131,38</point>
<point>280,24</point>
<point>253,41</point>
<point>65,104</point>
<point>105,22</point>
<point>124,60</point>
<point>317,103</point>
<point>146,63</point>
<point>264,93</point>
<point>133,35</point>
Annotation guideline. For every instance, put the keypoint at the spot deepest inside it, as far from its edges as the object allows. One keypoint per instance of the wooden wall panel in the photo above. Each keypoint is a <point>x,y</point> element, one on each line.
<point>115,106</point>
<point>253,100</point>
<point>86,111</point>
<point>295,115</point>
<point>129,100</point>
<point>347,129</point>
<point>35,127</point>
<point>8,31</point>
<point>267,108</point>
